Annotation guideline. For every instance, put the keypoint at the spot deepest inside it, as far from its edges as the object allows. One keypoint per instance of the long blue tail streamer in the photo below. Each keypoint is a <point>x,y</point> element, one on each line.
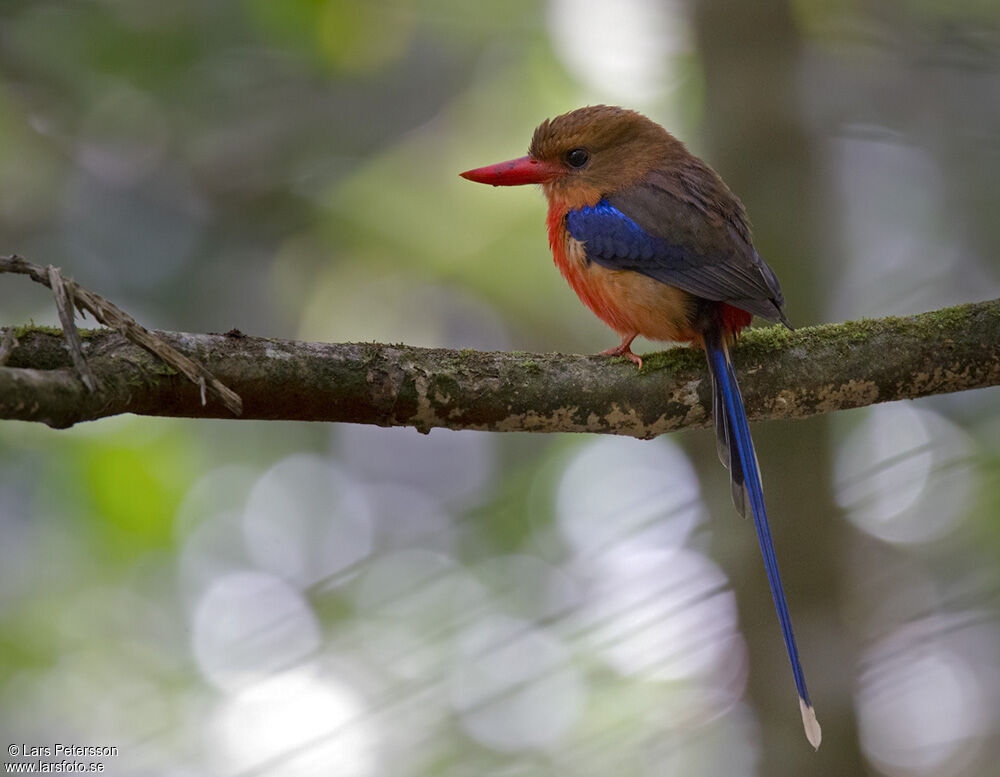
<point>734,439</point>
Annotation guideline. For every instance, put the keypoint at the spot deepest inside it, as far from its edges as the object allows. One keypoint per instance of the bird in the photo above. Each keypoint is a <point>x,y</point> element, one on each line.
<point>656,244</point>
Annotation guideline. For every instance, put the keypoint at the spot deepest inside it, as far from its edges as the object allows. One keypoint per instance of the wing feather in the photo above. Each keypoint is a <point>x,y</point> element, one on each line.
<point>681,231</point>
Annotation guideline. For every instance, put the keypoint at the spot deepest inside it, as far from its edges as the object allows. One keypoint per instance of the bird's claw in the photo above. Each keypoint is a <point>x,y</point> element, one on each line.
<point>625,350</point>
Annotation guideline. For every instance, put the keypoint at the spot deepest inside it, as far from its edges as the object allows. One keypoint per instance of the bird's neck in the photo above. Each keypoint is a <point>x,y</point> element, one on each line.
<point>558,236</point>
<point>562,202</point>
<point>556,225</point>
<point>562,195</point>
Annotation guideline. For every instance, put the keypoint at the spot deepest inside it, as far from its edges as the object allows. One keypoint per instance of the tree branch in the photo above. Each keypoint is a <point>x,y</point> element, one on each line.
<point>70,296</point>
<point>783,375</point>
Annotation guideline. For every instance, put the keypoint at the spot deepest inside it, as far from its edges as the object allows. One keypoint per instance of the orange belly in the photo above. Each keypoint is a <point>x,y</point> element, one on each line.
<point>628,302</point>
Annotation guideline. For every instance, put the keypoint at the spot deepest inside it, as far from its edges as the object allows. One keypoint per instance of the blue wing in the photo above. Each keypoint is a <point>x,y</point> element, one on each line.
<point>680,243</point>
<point>611,235</point>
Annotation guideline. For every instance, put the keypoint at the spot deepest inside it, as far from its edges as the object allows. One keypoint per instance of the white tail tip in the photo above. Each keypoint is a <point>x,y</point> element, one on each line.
<point>813,732</point>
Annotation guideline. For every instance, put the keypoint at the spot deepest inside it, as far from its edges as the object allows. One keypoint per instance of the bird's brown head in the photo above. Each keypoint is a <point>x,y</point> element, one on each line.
<point>586,154</point>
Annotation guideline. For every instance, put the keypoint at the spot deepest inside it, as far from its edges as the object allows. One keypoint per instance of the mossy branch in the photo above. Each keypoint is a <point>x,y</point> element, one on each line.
<point>783,375</point>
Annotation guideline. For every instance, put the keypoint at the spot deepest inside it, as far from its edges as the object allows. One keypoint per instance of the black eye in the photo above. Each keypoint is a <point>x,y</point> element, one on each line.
<point>578,157</point>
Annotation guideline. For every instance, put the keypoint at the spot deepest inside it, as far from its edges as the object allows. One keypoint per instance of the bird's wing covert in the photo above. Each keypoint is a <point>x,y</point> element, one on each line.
<point>683,241</point>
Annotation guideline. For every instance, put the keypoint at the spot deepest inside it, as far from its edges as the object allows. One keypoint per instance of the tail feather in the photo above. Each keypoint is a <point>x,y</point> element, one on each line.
<point>725,444</point>
<point>722,440</point>
<point>737,452</point>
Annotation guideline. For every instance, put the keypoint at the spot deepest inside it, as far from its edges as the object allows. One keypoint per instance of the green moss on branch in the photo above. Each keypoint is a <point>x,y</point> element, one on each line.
<point>783,374</point>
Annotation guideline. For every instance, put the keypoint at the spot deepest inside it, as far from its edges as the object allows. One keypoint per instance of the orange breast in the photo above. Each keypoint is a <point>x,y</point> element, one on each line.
<point>628,302</point>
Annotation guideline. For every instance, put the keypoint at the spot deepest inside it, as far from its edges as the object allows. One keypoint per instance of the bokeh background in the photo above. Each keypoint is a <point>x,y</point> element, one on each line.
<point>234,598</point>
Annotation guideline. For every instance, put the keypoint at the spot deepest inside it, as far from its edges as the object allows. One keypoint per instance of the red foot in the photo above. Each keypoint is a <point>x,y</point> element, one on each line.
<point>624,349</point>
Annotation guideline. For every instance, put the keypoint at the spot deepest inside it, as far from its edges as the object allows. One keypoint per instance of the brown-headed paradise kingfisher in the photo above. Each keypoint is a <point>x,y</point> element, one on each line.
<point>655,244</point>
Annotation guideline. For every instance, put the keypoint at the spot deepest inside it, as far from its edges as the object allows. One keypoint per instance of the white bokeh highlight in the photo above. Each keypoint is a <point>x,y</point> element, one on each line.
<point>407,517</point>
<point>414,602</point>
<point>249,625</point>
<point>922,708</point>
<point>904,474</point>
<point>307,521</point>
<point>514,685</point>
<point>663,615</point>
<point>300,723</point>
<point>728,745</point>
<point>528,587</point>
<point>617,491</point>
<point>209,524</point>
<point>903,251</point>
<point>619,50</point>
<point>220,491</point>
